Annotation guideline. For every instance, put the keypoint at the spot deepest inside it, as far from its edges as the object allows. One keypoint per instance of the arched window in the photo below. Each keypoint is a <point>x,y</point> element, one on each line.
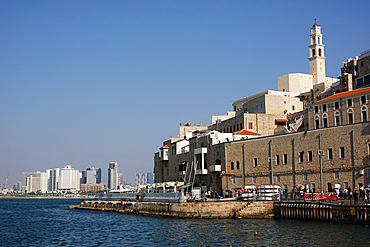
<point>232,166</point>
<point>313,52</point>
<point>350,116</point>
<point>319,52</point>
<point>237,165</point>
<point>318,40</point>
<point>364,114</point>
<point>317,122</point>
<point>337,118</point>
<point>325,120</point>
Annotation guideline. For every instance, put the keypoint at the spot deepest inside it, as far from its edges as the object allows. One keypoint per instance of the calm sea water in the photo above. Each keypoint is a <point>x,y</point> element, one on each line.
<point>49,222</point>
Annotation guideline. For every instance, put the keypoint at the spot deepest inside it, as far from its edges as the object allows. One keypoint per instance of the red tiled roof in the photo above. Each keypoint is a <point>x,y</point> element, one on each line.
<point>245,132</point>
<point>345,94</point>
<point>281,120</point>
<point>165,146</point>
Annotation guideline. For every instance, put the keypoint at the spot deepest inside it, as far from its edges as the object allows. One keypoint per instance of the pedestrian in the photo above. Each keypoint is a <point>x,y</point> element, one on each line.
<point>355,197</point>
<point>294,191</point>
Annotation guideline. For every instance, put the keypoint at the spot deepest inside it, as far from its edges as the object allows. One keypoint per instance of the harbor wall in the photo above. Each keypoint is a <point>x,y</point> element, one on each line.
<point>322,212</point>
<point>218,210</point>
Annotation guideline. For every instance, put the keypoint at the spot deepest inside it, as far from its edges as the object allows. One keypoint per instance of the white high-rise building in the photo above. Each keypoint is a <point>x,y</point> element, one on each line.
<point>113,176</point>
<point>144,178</point>
<point>69,179</point>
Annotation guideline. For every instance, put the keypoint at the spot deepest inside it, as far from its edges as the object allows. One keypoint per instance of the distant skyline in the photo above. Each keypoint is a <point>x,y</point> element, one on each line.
<point>86,83</point>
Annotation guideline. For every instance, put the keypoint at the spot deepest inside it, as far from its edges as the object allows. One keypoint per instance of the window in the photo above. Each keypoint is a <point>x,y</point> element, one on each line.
<point>330,154</point>
<point>237,165</point>
<point>277,160</point>
<point>364,114</point>
<point>368,172</point>
<point>233,180</point>
<point>285,159</point>
<point>336,174</point>
<point>317,122</point>
<point>301,157</point>
<point>261,106</point>
<point>278,178</point>
<point>336,105</point>
<point>341,152</point>
<point>232,165</point>
<point>337,118</point>
<point>256,107</point>
<point>350,116</point>
<point>254,179</point>
<point>346,185</point>
<point>255,162</point>
<point>316,109</point>
<point>349,102</point>
<point>324,107</point>
<point>252,108</point>
<point>304,176</point>
<point>309,156</point>
<point>293,107</point>
<point>250,125</point>
<point>325,120</point>
<point>320,52</point>
<point>363,99</point>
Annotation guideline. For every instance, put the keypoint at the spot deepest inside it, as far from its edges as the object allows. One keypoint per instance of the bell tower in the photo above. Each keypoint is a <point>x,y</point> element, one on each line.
<point>316,58</point>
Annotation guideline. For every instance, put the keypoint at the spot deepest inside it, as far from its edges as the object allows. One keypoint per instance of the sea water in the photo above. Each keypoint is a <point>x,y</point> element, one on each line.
<point>49,222</point>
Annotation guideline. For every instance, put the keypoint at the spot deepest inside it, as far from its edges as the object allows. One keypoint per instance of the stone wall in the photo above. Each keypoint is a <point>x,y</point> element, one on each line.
<point>234,209</point>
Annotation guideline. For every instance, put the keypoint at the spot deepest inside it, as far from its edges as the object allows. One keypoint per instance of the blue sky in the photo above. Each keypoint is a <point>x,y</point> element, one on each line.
<point>89,82</point>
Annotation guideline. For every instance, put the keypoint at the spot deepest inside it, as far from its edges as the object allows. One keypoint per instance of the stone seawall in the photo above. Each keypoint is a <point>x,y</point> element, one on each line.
<point>210,210</point>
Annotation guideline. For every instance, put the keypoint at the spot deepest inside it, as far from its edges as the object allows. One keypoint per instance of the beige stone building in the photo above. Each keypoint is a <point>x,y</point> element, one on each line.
<point>332,151</point>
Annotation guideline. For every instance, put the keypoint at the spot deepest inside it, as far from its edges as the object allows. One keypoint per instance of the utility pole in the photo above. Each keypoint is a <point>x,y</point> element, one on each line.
<point>321,153</point>
<point>270,160</point>
<point>293,163</point>
<point>353,161</point>
<point>243,176</point>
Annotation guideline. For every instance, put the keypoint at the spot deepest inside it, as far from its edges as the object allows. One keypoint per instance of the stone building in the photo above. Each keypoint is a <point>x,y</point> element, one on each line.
<point>331,152</point>
<point>340,109</point>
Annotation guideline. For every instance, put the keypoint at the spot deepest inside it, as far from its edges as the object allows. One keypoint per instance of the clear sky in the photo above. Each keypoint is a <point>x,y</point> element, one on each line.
<point>89,82</point>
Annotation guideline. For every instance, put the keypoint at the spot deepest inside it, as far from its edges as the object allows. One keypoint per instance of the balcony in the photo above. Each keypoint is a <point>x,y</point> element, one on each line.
<point>201,172</point>
<point>215,168</point>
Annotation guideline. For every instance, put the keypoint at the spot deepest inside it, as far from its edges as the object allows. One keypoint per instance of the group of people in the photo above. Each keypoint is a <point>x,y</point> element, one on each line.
<point>362,194</point>
<point>211,194</point>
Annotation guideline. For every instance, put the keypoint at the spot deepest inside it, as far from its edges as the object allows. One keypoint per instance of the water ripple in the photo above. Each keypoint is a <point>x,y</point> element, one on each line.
<point>35,222</point>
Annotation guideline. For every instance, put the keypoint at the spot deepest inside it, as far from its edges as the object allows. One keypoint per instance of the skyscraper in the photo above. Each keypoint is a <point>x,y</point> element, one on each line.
<point>91,175</point>
<point>69,179</point>
<point>144,178</point>
<point>113,176</point>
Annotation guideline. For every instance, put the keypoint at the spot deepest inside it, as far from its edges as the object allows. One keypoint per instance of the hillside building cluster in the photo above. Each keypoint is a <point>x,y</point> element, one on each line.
<point>312,133</point>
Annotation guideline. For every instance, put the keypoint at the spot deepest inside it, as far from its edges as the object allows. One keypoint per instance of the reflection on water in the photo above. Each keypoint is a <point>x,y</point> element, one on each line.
<point>32,222</point>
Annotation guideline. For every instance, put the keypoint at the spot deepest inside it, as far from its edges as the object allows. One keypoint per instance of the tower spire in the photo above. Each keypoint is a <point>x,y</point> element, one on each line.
<point>316,57</point>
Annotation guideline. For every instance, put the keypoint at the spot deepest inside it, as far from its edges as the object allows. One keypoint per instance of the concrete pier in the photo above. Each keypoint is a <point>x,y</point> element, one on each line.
<point>322,212</point>
<point>210,210</point>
